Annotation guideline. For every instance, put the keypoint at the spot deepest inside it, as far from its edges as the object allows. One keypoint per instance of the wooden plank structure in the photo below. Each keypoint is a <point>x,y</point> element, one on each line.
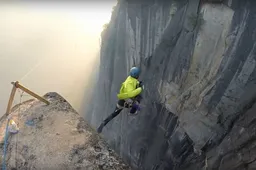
<point>8,110</point>
<point>18,85</point>
<point>9,106</point>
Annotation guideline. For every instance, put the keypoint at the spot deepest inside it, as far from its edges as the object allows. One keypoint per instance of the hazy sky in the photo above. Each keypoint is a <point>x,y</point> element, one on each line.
<point>50,46</point>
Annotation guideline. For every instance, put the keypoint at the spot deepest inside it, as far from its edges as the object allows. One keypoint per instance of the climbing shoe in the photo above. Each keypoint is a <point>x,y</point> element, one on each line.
<point>133,114</point>
<point>100,128</point>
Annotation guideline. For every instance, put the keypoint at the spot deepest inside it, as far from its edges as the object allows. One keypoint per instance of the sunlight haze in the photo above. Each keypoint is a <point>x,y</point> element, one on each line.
<point>51,47</point>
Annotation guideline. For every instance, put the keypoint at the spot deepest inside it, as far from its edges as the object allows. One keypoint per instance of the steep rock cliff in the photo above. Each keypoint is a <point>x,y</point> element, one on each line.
<point>198,66</point>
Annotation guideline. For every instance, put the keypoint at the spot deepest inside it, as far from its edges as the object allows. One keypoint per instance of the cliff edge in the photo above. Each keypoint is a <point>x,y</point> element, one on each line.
<point>55,137</point>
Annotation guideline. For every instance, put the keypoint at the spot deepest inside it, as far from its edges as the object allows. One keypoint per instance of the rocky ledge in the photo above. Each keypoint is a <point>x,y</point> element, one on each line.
<point>55,137</point>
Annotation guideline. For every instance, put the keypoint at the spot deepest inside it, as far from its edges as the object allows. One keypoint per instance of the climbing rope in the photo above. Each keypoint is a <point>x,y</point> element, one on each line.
<point>18,120</point>
<point>31,70</point>
<point>5,144</point>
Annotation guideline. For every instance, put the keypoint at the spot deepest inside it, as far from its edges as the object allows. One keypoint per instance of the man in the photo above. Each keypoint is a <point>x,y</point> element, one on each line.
<point>129,96</point>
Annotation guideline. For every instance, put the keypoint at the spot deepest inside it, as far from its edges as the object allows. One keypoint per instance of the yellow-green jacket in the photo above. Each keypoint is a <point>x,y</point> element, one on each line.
<point>129,89</point>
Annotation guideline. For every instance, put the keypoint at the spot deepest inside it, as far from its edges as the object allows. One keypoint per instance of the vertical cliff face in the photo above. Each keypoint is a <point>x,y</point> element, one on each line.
<point>198,66</point>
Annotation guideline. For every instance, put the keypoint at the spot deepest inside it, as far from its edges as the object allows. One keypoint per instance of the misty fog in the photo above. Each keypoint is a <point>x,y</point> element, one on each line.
<point>51,47</point>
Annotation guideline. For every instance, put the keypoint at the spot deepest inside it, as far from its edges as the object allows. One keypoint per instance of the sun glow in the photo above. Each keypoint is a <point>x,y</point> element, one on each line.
<point>51,46</point>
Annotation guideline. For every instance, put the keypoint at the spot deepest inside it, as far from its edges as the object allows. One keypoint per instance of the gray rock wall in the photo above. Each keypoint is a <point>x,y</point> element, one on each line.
<point>198,63</point>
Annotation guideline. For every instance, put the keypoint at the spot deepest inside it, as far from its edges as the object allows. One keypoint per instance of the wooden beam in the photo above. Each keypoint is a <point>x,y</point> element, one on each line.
<point>9,106</point>
<point>18,85</point>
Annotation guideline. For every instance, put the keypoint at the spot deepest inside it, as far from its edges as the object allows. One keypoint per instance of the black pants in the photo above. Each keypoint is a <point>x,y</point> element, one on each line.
<point>123,104</point>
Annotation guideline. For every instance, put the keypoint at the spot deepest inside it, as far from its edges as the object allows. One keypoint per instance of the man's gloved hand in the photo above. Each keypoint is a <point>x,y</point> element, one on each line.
<point>141,85</point>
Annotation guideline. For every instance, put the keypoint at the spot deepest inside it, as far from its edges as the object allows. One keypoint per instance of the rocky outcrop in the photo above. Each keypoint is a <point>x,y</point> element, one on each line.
<point>198,64</point>
<point>55,137</point>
